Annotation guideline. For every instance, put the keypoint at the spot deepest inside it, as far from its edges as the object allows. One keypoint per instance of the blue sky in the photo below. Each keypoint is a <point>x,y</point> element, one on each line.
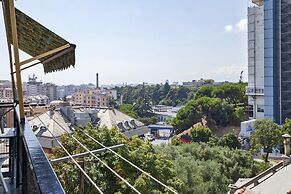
<point>131,41</point>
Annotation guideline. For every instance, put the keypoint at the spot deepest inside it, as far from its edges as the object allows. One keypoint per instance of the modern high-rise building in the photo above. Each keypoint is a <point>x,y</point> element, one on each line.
<point>277,57</point>
<point>255,89</point>
<point>277,60</point>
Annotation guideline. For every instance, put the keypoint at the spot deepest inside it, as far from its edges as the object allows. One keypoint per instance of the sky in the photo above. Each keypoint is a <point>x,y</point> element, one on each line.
<point>135,41</point>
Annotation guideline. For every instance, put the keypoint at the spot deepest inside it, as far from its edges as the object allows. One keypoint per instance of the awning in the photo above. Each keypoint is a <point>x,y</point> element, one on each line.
<point>35,40</point>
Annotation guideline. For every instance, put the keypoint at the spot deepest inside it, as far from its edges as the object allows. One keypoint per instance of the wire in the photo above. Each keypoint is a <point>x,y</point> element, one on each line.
<point>138,168</point>
<point>141,170</point>
<point>82,170</point>
<point>120,177</point>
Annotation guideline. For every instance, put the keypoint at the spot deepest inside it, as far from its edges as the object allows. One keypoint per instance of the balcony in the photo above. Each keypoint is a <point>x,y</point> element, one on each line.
<point>26,168</point>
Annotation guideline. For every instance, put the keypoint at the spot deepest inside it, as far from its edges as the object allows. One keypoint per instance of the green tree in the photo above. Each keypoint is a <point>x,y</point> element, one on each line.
<point>128,109</point>
<point>135,150</point>
<point>286,128</point>
<point>267,135</point>
<point>200,134</point>
<point>232,93</point>
<point>214,109</point>
<point>205,91</point>
<point>210,169</point>
<point>230,140</point>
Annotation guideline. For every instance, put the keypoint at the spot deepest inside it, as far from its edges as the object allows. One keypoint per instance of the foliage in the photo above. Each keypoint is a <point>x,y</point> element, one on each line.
<point>239,115</point>
<point>128,109</point>
<point>135,150</point>
<point>233,93</point>
<point>156,94</point>
<point>230,140</point>
<point>286,128</point>
<point>267,135</point>
<point>200,134</point>
<point>207,169</point>
<point>214,109</point>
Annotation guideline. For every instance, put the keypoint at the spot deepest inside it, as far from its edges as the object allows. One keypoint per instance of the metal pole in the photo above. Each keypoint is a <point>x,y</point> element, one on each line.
<point>16,59</point>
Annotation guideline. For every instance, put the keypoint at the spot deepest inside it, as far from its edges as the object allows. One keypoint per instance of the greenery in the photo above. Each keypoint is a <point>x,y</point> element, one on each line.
<point>233,93</point>
<point>267,135</point>
<point>135,150</point>
<point>128,109</point>
<point>221,105</point>
<point>230,140</point>
<point>210,169</point>
<point>215,110</point>
<point>286,128</point>
<point>156,94</point>
<point>200,134</point>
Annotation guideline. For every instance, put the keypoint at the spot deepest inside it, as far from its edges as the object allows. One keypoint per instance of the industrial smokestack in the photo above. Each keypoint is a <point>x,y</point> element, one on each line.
<point>97,80</point>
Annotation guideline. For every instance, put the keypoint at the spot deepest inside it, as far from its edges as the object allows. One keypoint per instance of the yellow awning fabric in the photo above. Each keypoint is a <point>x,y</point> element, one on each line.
<point>35,39</point>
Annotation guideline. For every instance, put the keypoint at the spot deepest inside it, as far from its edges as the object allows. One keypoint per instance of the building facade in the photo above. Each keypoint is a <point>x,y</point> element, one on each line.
<point>50,90</point>
<point>276,59</point>
<point>255,89</point>
<point>94,97</point>
<point>34,87</point>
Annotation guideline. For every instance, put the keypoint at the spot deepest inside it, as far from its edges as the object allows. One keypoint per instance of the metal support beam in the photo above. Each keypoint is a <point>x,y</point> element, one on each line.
<point>81,155</point>
<point>16,59</point>
<point>44,54</point>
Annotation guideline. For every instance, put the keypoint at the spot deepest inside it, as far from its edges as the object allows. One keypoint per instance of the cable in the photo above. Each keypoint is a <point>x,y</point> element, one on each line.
<point>120,177</point>
<point>82,170</point>
<point>138,168</point>
<point>141,170</point>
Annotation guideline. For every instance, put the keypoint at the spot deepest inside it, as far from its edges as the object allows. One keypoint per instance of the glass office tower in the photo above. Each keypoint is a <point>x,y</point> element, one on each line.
<point>277,59</point>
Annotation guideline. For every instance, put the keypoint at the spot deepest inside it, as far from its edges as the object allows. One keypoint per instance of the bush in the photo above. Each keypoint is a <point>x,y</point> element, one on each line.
<point>200,134</point>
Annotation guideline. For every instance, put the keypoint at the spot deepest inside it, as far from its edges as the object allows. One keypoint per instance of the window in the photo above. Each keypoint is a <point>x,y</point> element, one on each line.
<point>260,108</point>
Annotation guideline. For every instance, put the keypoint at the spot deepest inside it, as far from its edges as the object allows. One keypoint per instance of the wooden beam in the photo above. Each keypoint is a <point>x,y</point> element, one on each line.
<point>16,60</point>
<point>44,54</point>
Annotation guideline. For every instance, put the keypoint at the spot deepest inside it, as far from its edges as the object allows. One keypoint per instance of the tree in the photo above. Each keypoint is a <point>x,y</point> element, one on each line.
<point>210,169</point>
<point>232,93</point>
<point>230,140</point>
<point>214,109</point>
<point>286,128</point>
<point>200,134</point>
<point>205,91</point>
<point>128,109</point>
<point>135,150</point>
<point>266,135</point>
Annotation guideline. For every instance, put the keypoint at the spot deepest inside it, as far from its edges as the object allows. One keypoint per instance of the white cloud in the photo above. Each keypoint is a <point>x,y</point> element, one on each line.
<point>242,25</point>
<point>228,28</point>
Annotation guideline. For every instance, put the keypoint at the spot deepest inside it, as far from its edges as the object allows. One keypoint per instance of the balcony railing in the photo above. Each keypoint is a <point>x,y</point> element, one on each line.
<point>29,170</point>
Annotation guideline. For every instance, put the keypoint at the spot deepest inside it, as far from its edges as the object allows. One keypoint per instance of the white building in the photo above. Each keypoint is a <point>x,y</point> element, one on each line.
<point>255,89</point>
<point>34,87</point>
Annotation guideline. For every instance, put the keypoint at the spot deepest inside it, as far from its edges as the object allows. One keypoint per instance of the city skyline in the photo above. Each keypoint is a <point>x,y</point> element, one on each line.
<point>146,41</point>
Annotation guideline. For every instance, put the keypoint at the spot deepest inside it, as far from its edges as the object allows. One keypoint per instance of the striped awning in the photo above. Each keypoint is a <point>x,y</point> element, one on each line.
<point>35,39</point>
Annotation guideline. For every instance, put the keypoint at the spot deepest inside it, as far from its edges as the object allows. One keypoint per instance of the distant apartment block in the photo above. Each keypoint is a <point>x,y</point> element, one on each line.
<point>50,90</point>
<point>94,97</point>
<point>34,87</point>
<point>6,93</point>
<point>255,88</point>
